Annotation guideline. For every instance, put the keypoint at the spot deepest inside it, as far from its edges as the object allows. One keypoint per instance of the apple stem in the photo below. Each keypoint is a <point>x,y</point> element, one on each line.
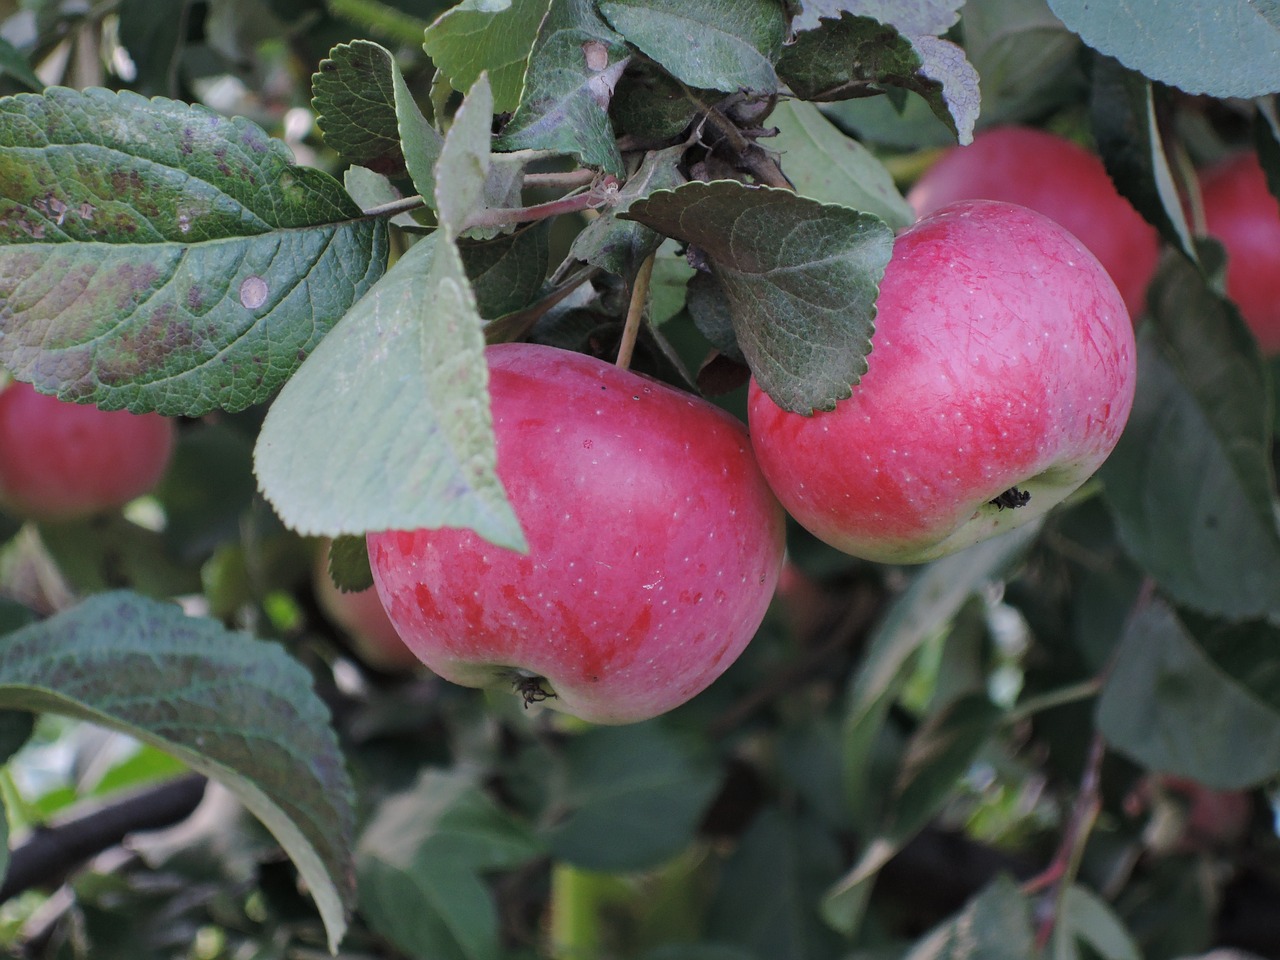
<point>1061,872</point>
<point>635,311</point>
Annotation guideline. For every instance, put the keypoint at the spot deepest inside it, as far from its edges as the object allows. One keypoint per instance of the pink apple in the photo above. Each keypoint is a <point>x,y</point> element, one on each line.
<point>655,546</point>
<point>1056,177</point>
<point>360,615</point>
<point>1240,211</point>
<point>1002,370</point>
<point>63,461</point>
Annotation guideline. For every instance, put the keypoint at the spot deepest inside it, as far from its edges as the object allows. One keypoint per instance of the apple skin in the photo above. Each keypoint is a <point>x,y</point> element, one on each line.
<point>67,461</point>
<point>360,615</point>
<point>1003,358</point>
<point>1055,177</point>
<point>655,546</point>
<point>1241,212</point>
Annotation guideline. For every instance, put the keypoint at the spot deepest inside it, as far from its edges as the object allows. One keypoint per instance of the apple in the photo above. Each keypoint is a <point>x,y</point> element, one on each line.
<point>1055,177</point>
<point>1241,212</point>
<point>67,461</point>
<point>654,546</point>
<point>1001,374</point>
<point>360,616</point>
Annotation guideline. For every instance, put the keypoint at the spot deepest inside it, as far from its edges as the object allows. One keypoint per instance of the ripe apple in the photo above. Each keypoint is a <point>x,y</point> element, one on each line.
<point>1055,177</point>
<point>65,461</point>
<point>655,546</point>
<point>1000,377</point>
<point>1240,211</point>
<point>360,615</point>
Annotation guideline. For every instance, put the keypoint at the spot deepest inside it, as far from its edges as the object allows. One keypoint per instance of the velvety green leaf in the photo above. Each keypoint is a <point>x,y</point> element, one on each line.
<point>421,142</point>
<point>708,44</point>
<point>465,160</point>
<point>14,64</point>
<point>157,256</point>
<point>856,56</point>
<point>671,274</point>
<point>1189,484</point>
<point>994,925</point>
<point>507,271</point>
<point>620,246</point>
<point>1122,109</point>
<point>1026,57</point>
<point>876,120</point>
<point>650,104</point>
<point>827,166</point>
<point>487,35</point>
<point>349,564</point>
<point>635,797</point>
<point>236,709</point>
<point>713,315</point>
<point>1086,919</point>
<point>1228,48</point>
<point>575,64</point>
<point>937,755</point>
<point>914,17</point>
<point>801,279</point>
<point>333,459</point>
<point>766,902</point>
<point>354,97</point>
<point>1195,698</point>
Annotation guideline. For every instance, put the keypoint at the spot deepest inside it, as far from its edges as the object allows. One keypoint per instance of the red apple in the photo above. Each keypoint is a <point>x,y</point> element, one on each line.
<point>63,461</point>
<point>1001,375</point>
<point>1240,211</point>
<point>360,615</point>
<point>1058,178</point>
<point>655,546</point>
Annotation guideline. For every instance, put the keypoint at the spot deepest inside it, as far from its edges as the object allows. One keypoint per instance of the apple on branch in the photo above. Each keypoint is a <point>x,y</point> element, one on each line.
<point>654,546</point>
<point>1001,375</point>
<point>67,461</point>
<point>1055,177</point>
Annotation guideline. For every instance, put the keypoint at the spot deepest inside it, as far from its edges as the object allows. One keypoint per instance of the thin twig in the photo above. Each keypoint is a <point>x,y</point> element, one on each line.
<point>635,312</point>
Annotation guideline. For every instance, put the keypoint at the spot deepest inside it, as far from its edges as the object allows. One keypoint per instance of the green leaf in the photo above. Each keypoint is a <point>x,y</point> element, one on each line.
<point>207,489</point>
<point>354,98</point>
<point>1190,483</point>
<point>925,608</point>
<point>106,553</point>
<point>937,755</point>
<point>507,271</point>
<point>465,163</point>
<point>1228,48</point>
<point>856,56</point>
<point>1123,113</point>
<point>708,44</point>
<point>801,279</point>
<point>387,425</point>
<point>575,63</point>
<point>420,141</point>
<point>1027,59</point>
<point>766,900</point>
<point>14,64</point>
<point>1083,918</point>
<point>154,33</point>
<point>617,245</point>
<point>348,564</point>
<point>236,709</point>
<point>827,166</point>
<point>712,315</point>
<point>916,18</point>
<point>487,35</point>
<point>1196,698</point>
<point>418,865</point>
<point>635,796</point>
<point>994,925</point>
<point>381,18</point>
<point>157,256</point>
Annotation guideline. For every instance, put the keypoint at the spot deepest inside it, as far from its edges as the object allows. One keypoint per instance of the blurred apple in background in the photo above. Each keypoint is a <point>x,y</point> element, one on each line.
<point>360,616</point>
<point>1055,177</point>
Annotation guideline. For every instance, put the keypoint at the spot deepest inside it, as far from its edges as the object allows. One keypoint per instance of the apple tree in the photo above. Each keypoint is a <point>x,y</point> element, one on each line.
<point>342,336</point>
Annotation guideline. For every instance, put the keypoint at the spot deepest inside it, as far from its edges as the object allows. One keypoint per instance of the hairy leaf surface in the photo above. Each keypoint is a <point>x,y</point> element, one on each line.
<point>480,36</point>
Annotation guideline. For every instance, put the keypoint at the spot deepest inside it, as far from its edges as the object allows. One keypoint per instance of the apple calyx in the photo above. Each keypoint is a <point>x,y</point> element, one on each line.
<point>532,688</point>
<point>1011,499</point>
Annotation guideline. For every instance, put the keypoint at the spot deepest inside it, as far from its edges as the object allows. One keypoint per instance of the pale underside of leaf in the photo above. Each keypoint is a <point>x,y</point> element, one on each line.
<point>387,425</point>
<point>476,37</point>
